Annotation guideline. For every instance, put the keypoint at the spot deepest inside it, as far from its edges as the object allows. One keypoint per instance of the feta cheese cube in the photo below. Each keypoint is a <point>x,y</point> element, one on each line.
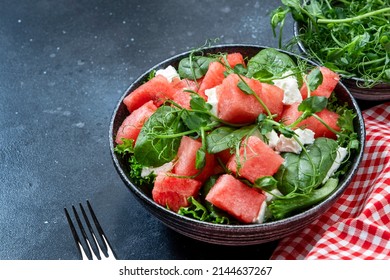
<point>261,216</point>
<point>170,73</point>
<point>289,145</point>
<point>340,155</point>
<point>163,168</point>
<point>289,84</point>
<point>212,99</point>
<point>272,138</point>
<point>306,136</point>
<point>285,144</point>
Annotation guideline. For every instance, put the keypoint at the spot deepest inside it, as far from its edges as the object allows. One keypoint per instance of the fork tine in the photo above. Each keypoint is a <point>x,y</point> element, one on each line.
<point>104,250</point>
<point>84,234</point>
<point>91,231</point>
<point>75,235</point>
<point>107,246</point>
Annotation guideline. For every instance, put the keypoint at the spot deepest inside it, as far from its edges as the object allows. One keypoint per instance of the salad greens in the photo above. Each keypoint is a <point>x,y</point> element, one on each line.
<point>282,208</point>
<point>347,36</point>
<point>269,64</point>
<point>304,172</point>
<point>300,179</point>
<point>152,148</point>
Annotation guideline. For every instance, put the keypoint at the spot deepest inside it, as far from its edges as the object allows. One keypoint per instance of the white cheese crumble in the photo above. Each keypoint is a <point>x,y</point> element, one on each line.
<point>306,136</point>
<point>272,138</point>
<point>290,87</point>
<point>340,155</point>
<point>260,218</point>
<point>289,145</point>
<point>264,212</point>
<point>212,99</point>
<point>270,196</point>
<point>285,144</point>
<point>163,168</point>
<point>170,73</point>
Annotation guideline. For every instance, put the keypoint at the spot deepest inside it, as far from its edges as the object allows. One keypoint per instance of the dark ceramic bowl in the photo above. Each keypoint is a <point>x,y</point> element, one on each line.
<point>379,92</point>
<point>232,234</point>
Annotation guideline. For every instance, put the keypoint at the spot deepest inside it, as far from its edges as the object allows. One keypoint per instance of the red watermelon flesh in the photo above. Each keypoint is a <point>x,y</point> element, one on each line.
<point>235,106</point>
<point>158,89</point>
<point>131,126</point>
<point>273,98</point>
<point>173,192</point>
<point>186,158</point>
<point>181,96</point>
<point>256,160</point>
<point>330,119</point>
<point>224,156</point>
<point>291,113</point>
<point>216,72</point>
<point>235,59</point>
<point>214,76</point>
<point>329,82</point>
<point>236,198</point>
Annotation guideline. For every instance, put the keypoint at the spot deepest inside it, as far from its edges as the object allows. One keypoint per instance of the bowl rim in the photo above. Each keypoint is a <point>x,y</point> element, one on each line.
<point>268,225</point>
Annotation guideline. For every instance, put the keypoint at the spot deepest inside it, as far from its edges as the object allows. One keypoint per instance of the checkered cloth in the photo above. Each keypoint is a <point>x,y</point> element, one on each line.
<point>357,226</point>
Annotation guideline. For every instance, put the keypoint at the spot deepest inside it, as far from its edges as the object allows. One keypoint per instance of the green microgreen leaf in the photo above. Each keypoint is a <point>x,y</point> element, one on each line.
<point>266,183</point>
<point>314,79</point>
<point>313,104</point>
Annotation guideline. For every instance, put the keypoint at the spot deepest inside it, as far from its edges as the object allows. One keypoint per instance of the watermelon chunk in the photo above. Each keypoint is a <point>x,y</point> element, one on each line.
<point>256,160</point>
<point>291,113</point>
<point>224,156</point>
<point>186,158</point>
<point>131,126</point>
<point>329,82</point>
<point>235,106</point>
<point>273,98</point>
<point>236,198</point>
<point>158,89</point>
<point>216,72</point>
<point>173,192</point>
<point>235,59</point>
<point>181,96</point>
<point>330,119</point>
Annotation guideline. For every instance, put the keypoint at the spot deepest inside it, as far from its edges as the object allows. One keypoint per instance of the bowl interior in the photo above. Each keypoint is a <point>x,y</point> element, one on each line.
<point>232,234</point>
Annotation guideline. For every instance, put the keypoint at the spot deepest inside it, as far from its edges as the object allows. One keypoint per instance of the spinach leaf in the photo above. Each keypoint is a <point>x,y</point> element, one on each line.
<point>157,143</point>
<point>225,137</point>
<point>304,172</point>
<point>282,208</point>
<point>194,67</point>
<point>269,64</point>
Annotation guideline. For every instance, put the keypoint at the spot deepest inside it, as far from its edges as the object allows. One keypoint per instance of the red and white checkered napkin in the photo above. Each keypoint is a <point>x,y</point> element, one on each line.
<point>357,226</point>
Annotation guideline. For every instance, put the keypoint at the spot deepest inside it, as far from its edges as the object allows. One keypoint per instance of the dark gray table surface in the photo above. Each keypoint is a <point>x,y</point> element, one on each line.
<point>63,67</point>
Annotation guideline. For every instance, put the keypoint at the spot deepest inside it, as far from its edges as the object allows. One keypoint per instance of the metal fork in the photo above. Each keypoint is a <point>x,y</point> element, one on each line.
<point>102,249</point>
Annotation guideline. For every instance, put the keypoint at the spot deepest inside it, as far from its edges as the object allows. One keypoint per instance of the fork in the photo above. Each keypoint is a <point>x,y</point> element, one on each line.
<point>103,249</point>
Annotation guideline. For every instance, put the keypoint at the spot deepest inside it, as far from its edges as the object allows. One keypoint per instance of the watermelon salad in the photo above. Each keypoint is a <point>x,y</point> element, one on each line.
<point>224,138</point>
